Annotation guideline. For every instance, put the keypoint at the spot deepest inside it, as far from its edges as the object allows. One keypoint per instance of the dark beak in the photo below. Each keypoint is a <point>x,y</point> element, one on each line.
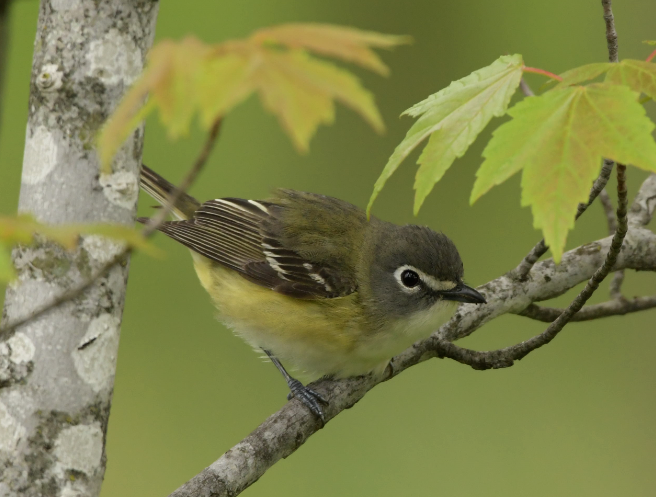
<point>464,293</point>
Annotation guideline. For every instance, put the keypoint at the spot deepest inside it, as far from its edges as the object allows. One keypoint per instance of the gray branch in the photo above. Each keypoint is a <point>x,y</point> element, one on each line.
<point>644,204</point>
<point>611,33</point>
<point>618,307</point>
<point>607,205</point>
<point>57,371</point>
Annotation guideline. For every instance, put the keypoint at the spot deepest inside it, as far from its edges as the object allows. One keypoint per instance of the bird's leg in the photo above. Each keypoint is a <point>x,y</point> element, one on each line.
<point>306,395</point>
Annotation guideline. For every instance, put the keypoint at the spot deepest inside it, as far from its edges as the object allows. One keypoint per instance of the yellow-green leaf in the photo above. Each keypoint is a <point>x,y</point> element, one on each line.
<point>189,77</point>
<point>583,73</point>
<point>175,93</point>
<point>130,236</point>
<point>169,80</point>
<point>223,83</point>
<point>453,118</point>
<point>559,139</point>
<point>650,42</point>
<point>23,227</point>
<point>638,75</point>
<point>300,90</point>
<point>348,44</point>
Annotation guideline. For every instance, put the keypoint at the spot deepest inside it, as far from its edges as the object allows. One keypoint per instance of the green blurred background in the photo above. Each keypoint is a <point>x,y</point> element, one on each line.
<point>574,418</point>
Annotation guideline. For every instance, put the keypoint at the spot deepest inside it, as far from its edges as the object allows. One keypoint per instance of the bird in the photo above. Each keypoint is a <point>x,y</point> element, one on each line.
<point>313,282</point>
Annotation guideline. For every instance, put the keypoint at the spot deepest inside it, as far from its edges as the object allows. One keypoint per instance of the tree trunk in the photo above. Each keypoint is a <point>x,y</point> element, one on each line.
<point>57,371</point>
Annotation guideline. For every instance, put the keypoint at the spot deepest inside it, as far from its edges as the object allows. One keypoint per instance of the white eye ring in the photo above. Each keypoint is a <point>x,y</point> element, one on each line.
<point>398,276</point>
<point>427,279</point>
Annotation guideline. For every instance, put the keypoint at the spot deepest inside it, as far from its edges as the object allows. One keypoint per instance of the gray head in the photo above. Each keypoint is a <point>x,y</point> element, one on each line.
<point>414,268</point>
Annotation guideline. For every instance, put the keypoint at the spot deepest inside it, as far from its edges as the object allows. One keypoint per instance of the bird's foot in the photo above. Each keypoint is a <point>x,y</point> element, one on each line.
<point>307,396</point>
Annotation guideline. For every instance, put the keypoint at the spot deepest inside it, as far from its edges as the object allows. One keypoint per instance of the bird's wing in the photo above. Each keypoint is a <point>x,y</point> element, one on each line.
<point>247,236</point>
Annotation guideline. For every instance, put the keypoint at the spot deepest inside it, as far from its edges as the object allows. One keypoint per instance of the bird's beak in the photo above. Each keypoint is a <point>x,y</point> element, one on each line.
<point>464,293</point>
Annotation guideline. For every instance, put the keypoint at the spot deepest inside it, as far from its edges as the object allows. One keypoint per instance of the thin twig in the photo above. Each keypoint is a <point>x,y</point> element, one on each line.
<point>611,33</point>
<point>187,181</point>
<point>157,220</point>
<point>526,89</point>
<point>524,267</point>
<point>615,288</point>
<point>618,277</point>
<point>588,313</point>
<point>607,204</point>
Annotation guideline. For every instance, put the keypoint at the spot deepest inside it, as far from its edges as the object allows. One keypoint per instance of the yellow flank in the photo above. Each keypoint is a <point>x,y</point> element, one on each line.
<point>316,335</point>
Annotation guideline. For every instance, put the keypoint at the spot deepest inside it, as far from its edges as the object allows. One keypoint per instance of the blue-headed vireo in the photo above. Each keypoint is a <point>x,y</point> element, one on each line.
<point>307,279</point>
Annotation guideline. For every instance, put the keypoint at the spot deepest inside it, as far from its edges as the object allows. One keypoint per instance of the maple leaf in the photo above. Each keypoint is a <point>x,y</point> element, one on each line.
<point>169,80</point>
<point>583,73</point>
<point>453,118</point>
<point>559,139</point>
<point>348,44</point>
<point>638,75</point>
<point>189,77</point>
<point>22,229</point>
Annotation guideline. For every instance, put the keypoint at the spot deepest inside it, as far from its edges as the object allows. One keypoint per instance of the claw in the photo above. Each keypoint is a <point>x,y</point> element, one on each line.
<point>307,396</point>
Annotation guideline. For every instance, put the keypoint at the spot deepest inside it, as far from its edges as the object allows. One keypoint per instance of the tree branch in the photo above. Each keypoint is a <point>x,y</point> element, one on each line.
<point>606,309</point>
<point>8,330</point>
<point>618,277</point>
<point>644,204</point>
<point>56,394</point>
<point>607,205</point>
<point>611,34</point>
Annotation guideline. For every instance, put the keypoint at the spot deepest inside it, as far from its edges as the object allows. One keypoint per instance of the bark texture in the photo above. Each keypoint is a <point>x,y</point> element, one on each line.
<point>57,371</point>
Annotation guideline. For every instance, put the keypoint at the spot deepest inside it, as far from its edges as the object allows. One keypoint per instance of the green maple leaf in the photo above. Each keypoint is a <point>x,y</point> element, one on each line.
<point>638,75</point>
<point>583,73</point>
<point>559,139</point>
<point>453,118</point>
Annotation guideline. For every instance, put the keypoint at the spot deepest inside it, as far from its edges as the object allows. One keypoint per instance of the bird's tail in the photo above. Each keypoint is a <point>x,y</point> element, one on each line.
<point>160,189</point>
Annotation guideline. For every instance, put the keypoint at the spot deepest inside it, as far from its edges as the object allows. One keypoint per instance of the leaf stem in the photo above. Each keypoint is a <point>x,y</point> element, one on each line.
<point>542,72</point>
<point>651,56</point>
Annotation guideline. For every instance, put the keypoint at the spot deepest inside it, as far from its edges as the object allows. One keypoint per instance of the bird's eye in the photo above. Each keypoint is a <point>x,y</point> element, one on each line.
<point>409,278</point>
